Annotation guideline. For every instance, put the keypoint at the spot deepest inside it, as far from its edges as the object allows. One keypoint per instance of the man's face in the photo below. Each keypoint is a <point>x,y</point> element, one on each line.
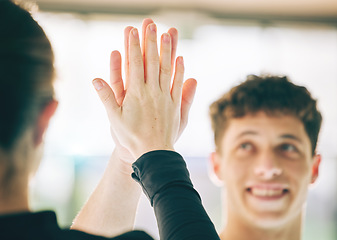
<point>266,167</point>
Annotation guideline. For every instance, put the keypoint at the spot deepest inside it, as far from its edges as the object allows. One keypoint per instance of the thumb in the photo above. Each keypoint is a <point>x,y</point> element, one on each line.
<point>107,96</point>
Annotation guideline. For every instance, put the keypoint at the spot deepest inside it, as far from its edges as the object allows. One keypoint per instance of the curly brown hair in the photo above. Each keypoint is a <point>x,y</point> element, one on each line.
<point>272,94</point>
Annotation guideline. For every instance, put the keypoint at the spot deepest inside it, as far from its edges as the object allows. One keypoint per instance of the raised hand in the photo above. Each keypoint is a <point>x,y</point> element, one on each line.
<point>146,112</point>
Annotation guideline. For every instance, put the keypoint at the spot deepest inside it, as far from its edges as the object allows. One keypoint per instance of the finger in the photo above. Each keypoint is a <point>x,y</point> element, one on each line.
<point>146,22</point>
<point>151,56</point>
<point>116,81</point>
<point>126,49</point>
<point>177,84</point>
<point>107,96</point>
<point>174,42</point>
<point>165,63</point>
<point>136,66</point>
<point>188,93</point>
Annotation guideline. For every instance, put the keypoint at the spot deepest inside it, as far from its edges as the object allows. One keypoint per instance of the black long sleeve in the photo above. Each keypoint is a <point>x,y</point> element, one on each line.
<point>177,205</point>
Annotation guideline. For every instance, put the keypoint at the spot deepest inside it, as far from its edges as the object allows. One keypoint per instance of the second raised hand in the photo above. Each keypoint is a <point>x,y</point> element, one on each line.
<point>152,114</point>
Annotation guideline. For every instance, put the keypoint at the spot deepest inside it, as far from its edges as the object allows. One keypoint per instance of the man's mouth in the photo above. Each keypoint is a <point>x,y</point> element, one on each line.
<point>267,192</point>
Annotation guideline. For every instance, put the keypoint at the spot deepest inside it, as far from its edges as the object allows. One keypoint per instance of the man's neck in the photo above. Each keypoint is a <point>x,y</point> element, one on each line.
<point>239,230</point>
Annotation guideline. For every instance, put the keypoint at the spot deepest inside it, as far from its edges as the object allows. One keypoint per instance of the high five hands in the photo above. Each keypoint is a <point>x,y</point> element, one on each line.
<point>149,109</point>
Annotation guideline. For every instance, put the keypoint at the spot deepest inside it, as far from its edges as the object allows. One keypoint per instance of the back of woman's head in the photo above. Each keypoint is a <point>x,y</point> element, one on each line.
<point>26,72</point>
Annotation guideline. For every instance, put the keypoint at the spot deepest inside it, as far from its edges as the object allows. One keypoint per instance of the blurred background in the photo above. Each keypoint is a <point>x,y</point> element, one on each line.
<point>222,41</point>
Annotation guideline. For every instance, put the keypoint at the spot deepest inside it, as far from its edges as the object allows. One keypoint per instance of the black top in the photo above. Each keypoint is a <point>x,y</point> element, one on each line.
<point>43,226</point>
<point>177,205</point>
<point>165,180</point>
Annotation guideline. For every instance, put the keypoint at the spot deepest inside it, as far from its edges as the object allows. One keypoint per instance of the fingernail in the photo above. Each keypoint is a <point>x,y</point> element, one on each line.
<point>97,84</point>
<point>181,60</point>
<point>153,27</point>
<point>135,32</point>
<point>166,37</point>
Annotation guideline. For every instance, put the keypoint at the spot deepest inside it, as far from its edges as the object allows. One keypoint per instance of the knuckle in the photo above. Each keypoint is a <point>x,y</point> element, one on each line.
<point>137,60</point>
<point>116,81</point>
<point>166,49</point>
<point>153,60</point>
<point>153,39</point>
<point>165,70</point>
<point>180,69</point>
<point>106,98</point>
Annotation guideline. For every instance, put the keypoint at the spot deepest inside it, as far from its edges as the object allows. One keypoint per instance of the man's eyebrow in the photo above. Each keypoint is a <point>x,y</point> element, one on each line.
<point>291,136</point>
<point>248,132</point>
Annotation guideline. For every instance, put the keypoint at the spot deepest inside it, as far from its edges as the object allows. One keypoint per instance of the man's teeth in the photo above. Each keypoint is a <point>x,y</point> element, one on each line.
<point>262,192</point>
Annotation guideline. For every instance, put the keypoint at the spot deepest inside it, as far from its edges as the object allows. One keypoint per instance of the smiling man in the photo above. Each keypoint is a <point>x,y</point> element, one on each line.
<point>265,132</point>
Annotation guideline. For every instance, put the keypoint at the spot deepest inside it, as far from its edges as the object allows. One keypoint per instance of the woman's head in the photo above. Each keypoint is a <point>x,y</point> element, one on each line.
<point>26,72</point>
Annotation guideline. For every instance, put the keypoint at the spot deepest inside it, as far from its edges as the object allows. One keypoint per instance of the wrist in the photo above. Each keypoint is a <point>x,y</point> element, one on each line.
<point>145,149</point>
<point>121,163</point>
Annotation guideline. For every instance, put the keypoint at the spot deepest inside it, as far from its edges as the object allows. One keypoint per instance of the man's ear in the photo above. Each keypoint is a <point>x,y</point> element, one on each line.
<point>43,121</point>
<point>315,167</point>
<point>216,175</point>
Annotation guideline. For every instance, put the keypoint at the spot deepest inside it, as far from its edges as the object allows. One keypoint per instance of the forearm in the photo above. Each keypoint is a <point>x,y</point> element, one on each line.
<point>177,205</point>
<point>111,208</point>
<point>181,215</point>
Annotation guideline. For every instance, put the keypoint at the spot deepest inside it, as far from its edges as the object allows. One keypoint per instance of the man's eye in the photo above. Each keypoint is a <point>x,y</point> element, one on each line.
<point>288,148</point>
<point>246,146</point>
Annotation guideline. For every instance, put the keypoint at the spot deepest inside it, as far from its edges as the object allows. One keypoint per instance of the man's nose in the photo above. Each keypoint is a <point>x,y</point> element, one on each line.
<point>267,165</point>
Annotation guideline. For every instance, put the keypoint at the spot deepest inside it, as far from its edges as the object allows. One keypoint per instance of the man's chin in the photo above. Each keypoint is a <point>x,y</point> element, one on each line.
<point>269,220</point>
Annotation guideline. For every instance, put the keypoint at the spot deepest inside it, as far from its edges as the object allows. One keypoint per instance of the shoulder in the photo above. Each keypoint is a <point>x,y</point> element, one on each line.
<point>43,225</point>
<point>78,235</point>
